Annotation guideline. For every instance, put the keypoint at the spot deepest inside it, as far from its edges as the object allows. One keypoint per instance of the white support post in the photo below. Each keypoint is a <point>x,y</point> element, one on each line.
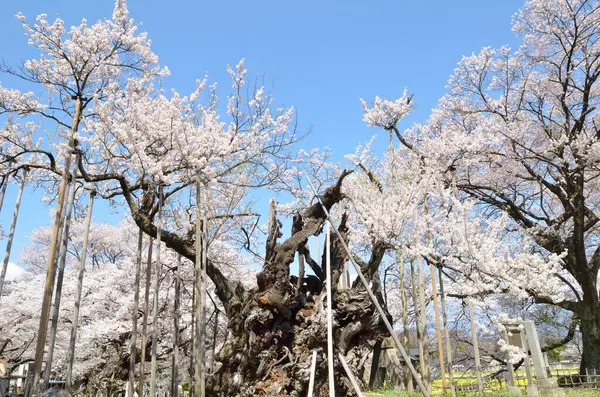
<point>134,315</point>
<point>64,244</point>
<point>329,312</point>
<point>373,298</point>
<point>11,234</point>
<point>4,184</point>
<point>350,375</point>
<point>475,347</point>
<point>3,190</point>
<point>176,314</point>
<point>145,309</point>
<point>446,332</point>
<point>417,310</point>
<point>53,251</point>
<point>202,352</point>
<point>199,288</point>
<point>75,320</point>
<point>313,368</point>
<point>158,266</point>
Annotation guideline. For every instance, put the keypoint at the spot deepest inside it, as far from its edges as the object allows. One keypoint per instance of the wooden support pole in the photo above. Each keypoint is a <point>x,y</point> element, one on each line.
<point>199,388</point>
<point>300,272</point>
<point>475,347</point>
<point>446,332</point>
<point>329,312</point>
<point>202,352</point>
<point>3,189</point>
<point>135,315</point>
<point>438,328</point>
<point>405,327</point>
<point>64,245</point>
<point>318,247</point>
<point>423,314</point>
<point>176,314</point>
<point>75,320</point>
<point>347,273</point>
<point>48,284</point>
<point>344,280</point>
<point>214,341</point>
<point>480,386</point>
<point>193,338</point>
<point>350,375</point>
<point>146,309</point>
<point>311,380</point>
<point>4,183</point>
<point>415,298</point>
<point>372,296</point>
<point>157,271</point>
<point>13,226</point>
<point>436,309</point>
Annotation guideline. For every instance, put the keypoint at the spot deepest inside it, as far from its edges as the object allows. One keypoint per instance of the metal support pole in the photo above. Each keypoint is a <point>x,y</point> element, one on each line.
<point>373,298</point>
<point>75,321</point>
<point>13,226</point>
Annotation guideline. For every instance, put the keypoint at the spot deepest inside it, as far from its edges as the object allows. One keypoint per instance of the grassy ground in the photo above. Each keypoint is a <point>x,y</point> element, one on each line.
<point>569,393</point>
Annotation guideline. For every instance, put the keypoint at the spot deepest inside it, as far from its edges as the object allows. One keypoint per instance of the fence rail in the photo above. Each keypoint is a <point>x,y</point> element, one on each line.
<point>566,378</point>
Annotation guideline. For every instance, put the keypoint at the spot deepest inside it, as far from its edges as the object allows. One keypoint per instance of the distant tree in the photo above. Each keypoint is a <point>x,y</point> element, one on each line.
<point>104,327</point>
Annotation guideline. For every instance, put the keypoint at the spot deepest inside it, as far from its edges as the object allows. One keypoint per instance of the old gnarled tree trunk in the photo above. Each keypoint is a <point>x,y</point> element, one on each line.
<point>274,328</point>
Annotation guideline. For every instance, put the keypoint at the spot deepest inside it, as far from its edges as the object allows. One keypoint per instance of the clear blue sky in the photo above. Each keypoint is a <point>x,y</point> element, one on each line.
<point>319,56</point>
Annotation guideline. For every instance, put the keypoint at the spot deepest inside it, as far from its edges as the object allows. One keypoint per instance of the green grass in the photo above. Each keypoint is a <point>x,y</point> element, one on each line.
<point>393,393</point>
<point>583,393</point>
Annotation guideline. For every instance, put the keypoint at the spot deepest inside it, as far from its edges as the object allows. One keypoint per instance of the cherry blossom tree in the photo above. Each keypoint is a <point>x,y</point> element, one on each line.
<point>105,320</point>
<point>102,86</point>
<point>517,136</point>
